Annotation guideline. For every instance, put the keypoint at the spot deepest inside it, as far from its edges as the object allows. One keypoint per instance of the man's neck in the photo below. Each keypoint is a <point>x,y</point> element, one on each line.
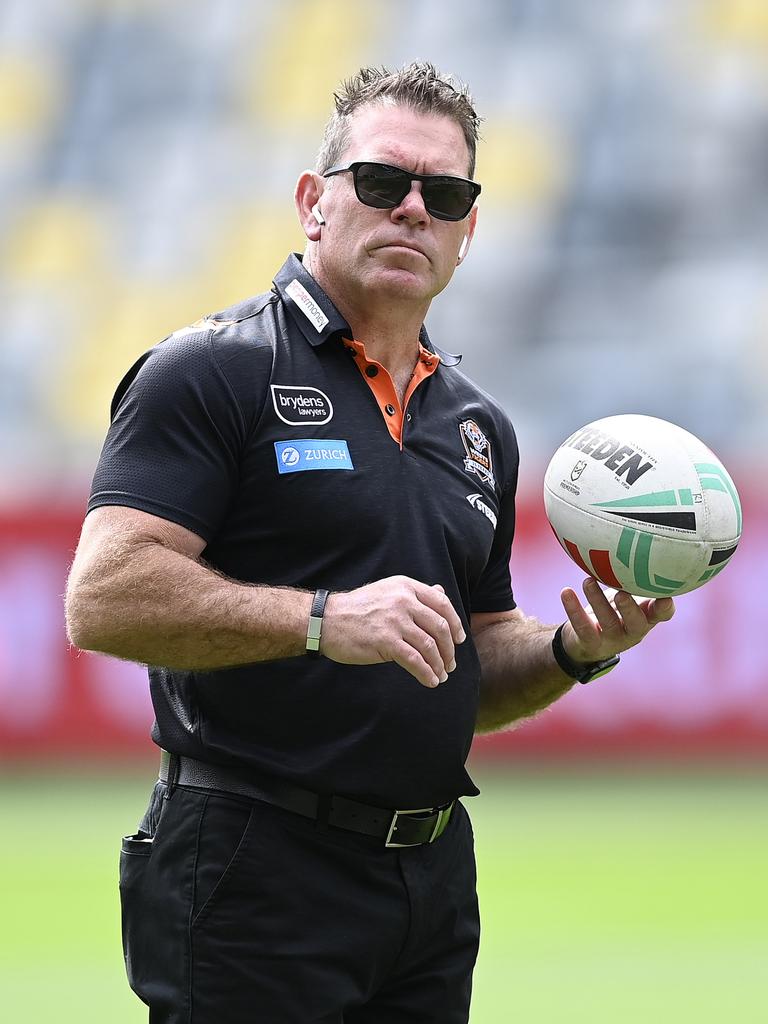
<point>389,328</point>
<point>393,343</point>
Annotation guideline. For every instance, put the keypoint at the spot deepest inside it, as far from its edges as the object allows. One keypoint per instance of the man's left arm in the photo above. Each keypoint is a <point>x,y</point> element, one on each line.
<point>519,673</point>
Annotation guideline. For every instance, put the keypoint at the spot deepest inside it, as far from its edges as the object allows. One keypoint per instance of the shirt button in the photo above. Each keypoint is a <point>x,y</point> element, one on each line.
<point>371,371</point>
<point>408,417</point>
<point>389,409</point>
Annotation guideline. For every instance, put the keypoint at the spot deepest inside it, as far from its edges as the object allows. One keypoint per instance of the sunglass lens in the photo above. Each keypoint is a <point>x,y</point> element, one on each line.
<point>380,186</point>
<point>448,198</point>
<point>385,187</point>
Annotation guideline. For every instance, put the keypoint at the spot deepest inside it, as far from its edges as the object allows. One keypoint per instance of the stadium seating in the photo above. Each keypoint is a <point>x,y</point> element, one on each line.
<point>149,152</point>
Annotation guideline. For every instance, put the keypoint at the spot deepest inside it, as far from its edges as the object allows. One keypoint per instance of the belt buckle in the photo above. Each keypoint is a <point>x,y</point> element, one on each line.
<point>441,816</point>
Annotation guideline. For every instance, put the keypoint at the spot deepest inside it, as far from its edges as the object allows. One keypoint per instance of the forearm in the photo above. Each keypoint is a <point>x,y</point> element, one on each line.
<point>156,606</point>
<point>519,673</point>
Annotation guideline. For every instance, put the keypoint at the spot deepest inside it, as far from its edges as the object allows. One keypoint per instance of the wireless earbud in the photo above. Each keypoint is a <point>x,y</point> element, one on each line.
<point>463,247</point>
<point>317,215</point>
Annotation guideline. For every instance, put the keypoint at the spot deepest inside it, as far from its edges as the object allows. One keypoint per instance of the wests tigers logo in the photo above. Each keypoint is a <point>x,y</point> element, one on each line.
<point>478,458</point>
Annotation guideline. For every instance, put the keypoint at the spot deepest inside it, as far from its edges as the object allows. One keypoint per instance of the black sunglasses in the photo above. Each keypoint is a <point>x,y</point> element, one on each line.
<point>384,187</point>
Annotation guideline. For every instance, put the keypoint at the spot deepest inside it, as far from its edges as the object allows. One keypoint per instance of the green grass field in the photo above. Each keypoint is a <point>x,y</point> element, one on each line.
<point>606,897</point>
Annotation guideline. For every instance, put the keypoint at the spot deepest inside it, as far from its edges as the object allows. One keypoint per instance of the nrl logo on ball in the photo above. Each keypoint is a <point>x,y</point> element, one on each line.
<point>477,447</point>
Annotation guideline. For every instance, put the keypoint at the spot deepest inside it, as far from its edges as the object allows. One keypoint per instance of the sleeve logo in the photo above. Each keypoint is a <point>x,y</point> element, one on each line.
<point>476,501</point>
<point>298,405</point>
<point>477,450</point>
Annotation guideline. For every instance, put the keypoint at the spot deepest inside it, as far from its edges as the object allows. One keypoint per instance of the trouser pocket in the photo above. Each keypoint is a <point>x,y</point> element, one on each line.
<point>137,845</point>
<point>156,894</point>
<point>135,854</point>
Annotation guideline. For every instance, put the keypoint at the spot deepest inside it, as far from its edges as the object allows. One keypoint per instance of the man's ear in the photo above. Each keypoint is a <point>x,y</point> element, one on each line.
<point>309,188</point>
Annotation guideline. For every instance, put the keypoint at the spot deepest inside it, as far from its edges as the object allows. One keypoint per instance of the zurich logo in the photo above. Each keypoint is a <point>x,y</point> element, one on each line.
<point>290,456</point>
<point>312,453</point>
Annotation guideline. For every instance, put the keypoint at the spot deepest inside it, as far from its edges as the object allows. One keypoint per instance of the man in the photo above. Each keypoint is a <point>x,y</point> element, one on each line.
<point>306,474</point>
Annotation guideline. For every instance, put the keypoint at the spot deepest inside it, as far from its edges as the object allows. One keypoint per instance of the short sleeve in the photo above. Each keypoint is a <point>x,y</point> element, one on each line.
<point>174,442</point>
<point>493,592</point>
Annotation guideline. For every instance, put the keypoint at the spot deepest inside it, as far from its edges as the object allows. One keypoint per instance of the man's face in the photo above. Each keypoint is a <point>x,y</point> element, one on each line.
<point>403,254</point>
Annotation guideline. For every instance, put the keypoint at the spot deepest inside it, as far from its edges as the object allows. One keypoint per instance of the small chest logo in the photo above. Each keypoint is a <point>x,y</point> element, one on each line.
<point>300,456</point>
<point>290,456</point>
<point>477,447</point>
<point>298,405</point>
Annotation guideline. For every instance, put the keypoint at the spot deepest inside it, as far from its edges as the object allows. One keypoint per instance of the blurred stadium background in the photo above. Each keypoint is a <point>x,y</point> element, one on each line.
<point>148,154</point>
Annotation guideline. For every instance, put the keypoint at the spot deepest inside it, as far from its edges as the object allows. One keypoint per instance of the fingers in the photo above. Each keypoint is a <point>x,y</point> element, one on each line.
<point>615,620</point>
<point>438,645</point>
<point>417,652</point>
<point>585,626</point>
<point>582,622</point>
<point>436,629</point>
<point>637,617</point>
<point>397,619</point>
<point>660,609</point>
<point>435,598</point>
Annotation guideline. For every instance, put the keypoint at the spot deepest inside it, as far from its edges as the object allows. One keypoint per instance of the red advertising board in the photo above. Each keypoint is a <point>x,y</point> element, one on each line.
<point>697,685</point>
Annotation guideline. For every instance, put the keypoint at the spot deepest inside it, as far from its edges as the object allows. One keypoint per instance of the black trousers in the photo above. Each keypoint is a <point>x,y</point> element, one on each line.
<point>236,912</point>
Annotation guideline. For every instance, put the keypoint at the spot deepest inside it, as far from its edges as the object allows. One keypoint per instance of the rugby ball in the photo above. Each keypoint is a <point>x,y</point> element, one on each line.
<point>642,505</point>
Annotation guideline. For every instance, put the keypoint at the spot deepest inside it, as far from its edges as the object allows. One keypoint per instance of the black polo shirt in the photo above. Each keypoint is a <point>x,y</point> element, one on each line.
<point>256,429</point>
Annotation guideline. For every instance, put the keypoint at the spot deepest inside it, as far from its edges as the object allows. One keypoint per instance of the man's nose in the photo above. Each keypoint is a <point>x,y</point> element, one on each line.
<point>411,207</point>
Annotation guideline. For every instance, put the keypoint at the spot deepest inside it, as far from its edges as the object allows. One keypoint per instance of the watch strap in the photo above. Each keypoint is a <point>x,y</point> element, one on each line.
<point>315,624</point>
<point>582,673</point>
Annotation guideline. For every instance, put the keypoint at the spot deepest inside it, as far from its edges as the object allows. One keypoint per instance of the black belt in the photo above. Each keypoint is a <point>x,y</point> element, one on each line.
<point>396,828</point>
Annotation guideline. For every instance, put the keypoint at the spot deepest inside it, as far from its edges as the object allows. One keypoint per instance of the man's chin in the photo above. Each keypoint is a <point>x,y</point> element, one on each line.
<point>405,282</point>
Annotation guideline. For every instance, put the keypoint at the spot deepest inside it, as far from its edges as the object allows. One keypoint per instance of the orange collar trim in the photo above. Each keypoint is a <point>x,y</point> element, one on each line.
<point>378,379</point>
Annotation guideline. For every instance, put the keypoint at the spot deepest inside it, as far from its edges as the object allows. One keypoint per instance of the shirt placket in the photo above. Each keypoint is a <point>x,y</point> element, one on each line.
<point>380,382</point>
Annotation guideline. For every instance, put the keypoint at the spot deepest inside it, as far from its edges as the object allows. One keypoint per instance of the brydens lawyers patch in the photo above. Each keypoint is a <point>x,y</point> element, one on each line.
<point>300,404</point>
<point>478,457</point>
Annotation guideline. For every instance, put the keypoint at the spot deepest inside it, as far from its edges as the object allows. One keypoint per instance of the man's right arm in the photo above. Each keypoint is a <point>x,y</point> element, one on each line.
<point>138,590</point>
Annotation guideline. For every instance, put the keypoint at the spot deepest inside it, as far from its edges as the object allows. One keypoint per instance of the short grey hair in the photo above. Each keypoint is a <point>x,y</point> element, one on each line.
<point>418,85</point>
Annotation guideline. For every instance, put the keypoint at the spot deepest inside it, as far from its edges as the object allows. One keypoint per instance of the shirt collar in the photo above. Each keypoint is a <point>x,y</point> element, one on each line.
<point>446,358</point>
<point>315,314</point>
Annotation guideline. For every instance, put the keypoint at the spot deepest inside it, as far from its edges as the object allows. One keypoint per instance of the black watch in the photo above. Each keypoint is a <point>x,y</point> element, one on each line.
<point>576,670</point>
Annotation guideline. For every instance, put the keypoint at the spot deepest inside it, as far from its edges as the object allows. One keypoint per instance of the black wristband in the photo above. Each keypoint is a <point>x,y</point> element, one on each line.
<point>315,625</point>
<point>583,673</point>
